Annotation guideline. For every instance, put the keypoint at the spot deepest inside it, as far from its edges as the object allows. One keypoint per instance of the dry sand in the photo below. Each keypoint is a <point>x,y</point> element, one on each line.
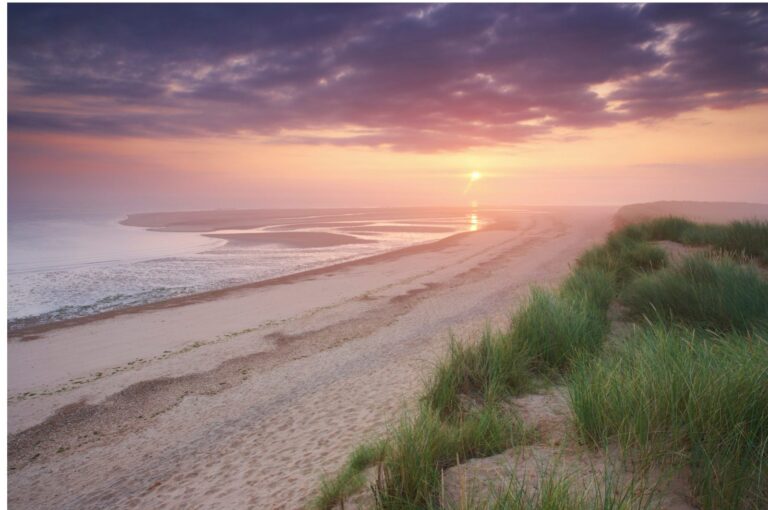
<point>247,397</point>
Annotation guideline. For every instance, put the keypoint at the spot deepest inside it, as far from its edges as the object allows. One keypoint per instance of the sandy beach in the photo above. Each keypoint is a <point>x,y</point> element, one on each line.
<point>248,397</point>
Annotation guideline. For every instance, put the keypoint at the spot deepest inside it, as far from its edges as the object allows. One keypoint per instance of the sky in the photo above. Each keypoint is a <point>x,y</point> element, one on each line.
<point>137,107</point>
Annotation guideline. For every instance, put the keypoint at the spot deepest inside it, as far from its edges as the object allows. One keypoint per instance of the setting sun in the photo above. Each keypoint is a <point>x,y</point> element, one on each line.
<point>475,176</point>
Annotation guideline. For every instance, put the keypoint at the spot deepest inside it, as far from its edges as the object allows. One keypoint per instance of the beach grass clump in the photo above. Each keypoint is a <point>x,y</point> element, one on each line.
<point>675,396</point>
<point>749,238</point>
<point>554,330</point>
<point>669,228</point>
<point>350,478</point>
<point>710,292</point>
<point>746,237</point>
<point>590,284</point>
<point>546,334</point>
<point>420,448</point>
<point>489,370</point>
<point>550,330</point>
<point>410,460</point>
<point>623,255</point>
<point>703,234</point>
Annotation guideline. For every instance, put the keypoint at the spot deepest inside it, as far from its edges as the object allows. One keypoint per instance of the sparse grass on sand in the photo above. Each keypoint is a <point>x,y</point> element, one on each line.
<point>417,450</point>
<point>491,369</point>
<point>350,478</point>
<point>421,448</point>
<point>749,238</point>
<point>548,332</point>
<point>624,255</point>
<point>688,389</point>
<point>557,492</point>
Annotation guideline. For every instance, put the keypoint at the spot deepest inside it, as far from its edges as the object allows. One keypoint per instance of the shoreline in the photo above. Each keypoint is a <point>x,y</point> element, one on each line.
<point>29,333</point>
<point>207,224</point>
<point>243,219</point>
<point>698,211</point>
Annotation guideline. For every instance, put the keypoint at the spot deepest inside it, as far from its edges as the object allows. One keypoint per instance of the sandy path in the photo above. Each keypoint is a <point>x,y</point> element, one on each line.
<point>246,400</point>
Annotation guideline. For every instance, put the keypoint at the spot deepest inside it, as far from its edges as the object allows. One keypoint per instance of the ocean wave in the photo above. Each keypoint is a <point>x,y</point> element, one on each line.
<point>105,304</point>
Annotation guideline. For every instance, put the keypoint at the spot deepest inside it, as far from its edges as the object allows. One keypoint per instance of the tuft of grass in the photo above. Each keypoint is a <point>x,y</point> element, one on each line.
<point>554,330</point>
<point>624,255</point>
<point>749,238</point>
<point>491,369</point>
<point>547,333</point>
<point>702,291</point>
<point>420,448</point>
<point>590,284</point>
<point>669,228</point>
<point>336,489</point>
<point>677,397</point>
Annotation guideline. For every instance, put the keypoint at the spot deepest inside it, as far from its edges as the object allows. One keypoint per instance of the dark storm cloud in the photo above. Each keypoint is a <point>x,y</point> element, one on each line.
<point>415,77</point>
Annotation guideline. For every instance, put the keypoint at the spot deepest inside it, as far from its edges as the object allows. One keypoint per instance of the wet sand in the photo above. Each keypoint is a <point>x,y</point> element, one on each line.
<point>396,228</point>
<point>291,239</point>
<point>206,221</point>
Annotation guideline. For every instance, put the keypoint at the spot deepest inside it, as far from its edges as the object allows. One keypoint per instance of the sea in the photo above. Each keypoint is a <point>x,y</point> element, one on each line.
<point>63,266</point>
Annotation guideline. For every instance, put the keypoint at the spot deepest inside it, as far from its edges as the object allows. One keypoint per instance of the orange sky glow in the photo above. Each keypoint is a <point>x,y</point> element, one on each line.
<point>386,105</point>
<point>702,155</point>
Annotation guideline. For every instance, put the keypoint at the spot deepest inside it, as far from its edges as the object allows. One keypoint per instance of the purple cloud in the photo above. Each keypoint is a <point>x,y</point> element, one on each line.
<point>414,77</point>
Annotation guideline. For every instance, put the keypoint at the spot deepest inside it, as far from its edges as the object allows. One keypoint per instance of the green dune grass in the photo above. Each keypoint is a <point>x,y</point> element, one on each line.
<point>685,397</point>
<point>420,448</point>
<point>491,369</point>
<point>703,291</point>
<point>554,330</point>
<point>749,238</point>
<point>689,388</point>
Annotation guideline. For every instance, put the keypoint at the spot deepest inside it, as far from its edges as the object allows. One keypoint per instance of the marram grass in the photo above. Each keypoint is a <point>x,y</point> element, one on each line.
<point>684,398</point>
<point>748,238</point>
<point>554,331</point>
<point>710,292</point>
<point>420,448</point>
